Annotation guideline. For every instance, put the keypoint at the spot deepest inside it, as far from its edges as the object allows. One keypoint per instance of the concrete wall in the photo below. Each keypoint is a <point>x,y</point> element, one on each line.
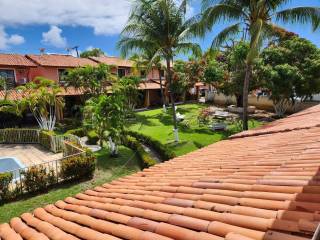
<point>264,103</point>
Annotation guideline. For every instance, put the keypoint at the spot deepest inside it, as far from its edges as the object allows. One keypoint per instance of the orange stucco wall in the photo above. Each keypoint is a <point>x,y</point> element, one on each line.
<point>47,72</point>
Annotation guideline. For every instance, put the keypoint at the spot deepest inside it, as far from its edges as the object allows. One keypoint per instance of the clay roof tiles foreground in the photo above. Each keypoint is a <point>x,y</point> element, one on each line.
<point>257,187</point>
<point>15,60</point>
<point>57,60</point>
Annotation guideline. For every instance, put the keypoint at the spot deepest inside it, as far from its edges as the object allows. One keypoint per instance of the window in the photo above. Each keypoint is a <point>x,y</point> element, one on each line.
<point>9,77</point>
<point>121,72</point>
<point>62,74</point>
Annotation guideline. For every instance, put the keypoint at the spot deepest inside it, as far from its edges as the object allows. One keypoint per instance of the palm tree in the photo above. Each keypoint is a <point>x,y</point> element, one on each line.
<point>255,19</point>
<point>146,61</point>
<point>162,24</point>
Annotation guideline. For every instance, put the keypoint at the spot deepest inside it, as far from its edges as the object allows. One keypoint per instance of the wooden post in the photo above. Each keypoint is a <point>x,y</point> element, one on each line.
<point>147,99</point>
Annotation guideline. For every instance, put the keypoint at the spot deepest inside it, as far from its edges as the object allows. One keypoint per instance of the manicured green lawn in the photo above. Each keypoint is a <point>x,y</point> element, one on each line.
<point>108,169</point>
<point>158,125</point>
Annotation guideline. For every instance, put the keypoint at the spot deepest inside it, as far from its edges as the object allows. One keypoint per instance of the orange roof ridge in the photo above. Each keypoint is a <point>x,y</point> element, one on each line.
<point>308,118</point>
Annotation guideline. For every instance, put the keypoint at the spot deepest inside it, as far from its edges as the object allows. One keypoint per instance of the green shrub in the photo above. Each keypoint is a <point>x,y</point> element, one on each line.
<point>45,139</point>
<point>77,132</point>
<point>93,137</point>
<point>77,167</point>
<point>5,181</point>
<point>145,159</point>
<point>37,178</point>
<point>164,151</point>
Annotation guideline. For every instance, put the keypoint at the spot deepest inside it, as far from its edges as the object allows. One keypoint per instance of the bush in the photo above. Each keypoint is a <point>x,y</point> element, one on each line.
<point>93,137</point>
<point>5,181</point>
<point>45,139</point>
<point>37,178</point>
<point>163,150</point>
<point>77,167</point>
<point>77,132</point>
<point>145,159</point>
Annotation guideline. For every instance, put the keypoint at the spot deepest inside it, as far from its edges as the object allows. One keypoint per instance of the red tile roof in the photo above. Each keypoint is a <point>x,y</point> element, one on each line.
<point>56,60</point>
<point>116,61</point>
<point>254,187</point>
<point>15,60</point>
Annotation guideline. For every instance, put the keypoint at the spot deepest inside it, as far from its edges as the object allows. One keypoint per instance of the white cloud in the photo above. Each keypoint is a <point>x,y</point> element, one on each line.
<point>54,37</point>
<point>6,41</point>
<point>106,17</point>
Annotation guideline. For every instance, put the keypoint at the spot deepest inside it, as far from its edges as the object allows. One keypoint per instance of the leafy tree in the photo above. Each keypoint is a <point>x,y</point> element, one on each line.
<point>128,86</point>
<point>42,98</point>
<point>95,52</point>
<point>290,69</point>
<point>106,114</point>
<point>254,18</point>
<point>92,80</point>
<point>163,25</point>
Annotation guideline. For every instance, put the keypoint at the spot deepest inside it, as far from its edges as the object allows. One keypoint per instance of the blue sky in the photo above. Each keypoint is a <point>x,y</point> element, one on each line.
<point>27,26</point>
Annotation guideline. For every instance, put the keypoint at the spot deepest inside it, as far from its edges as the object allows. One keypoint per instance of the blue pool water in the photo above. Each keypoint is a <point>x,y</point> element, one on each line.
<point>9,164</point>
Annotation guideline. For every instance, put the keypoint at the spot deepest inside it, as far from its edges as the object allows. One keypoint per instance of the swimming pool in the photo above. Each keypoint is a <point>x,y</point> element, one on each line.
<point>8,164</point>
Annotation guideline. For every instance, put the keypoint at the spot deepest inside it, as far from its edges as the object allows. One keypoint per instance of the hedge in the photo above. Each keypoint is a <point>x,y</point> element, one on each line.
<point>164,152</point>
<point>93,137</point>
<point>80,132</point>
<point>77,167</point>
<point>45,139</point>
<point>145,160</point>
<point>5,181</point>
<point>38,178</point>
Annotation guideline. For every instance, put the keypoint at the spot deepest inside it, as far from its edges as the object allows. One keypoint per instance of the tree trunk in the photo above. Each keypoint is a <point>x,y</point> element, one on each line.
<point>161,90</point>
<point>245,96</point>
<point>175,124</point>
<point>239,100</point>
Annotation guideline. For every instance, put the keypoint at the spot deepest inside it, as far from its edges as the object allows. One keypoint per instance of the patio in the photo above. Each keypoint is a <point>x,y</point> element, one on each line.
<point>28,154</point>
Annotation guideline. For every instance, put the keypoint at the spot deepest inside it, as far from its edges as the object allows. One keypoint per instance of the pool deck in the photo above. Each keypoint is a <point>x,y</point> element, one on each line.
<point>28,154</point>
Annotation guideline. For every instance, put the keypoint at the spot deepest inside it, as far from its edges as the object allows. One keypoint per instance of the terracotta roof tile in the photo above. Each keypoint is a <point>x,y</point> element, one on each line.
<point>15,60</point>
<point>116,61</point>
<point>263,185</point>
<point>56,60</point>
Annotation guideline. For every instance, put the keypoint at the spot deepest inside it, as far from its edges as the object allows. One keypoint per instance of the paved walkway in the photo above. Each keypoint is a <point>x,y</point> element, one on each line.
<point>28,154</point>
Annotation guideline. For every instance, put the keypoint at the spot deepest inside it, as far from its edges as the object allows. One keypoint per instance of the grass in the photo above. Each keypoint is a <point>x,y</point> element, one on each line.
<point>154,123</point>
<point>157,124</point>
<point>108,169</point>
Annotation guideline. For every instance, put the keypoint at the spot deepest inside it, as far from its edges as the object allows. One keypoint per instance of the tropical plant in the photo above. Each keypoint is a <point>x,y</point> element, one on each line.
<point>95,52</point>
<point>128,86</point>
<point>290,69</point>
<point>255,19</point>
<point>106,115</point>
<point>163,25</point>
<point>41,96</point>
<point>94,81</point>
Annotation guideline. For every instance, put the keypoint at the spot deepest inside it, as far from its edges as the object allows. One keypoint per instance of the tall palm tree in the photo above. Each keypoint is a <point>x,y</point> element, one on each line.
<point>162,24</point>
<point>256,20</point>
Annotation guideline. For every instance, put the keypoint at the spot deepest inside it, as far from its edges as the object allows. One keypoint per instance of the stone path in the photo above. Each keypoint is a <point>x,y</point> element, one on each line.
<point>28,154</point>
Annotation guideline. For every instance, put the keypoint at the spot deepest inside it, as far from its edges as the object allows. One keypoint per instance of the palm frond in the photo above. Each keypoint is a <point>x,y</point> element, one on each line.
<point>225,35</point>
<point>185,47</point>
<point>301,15</point>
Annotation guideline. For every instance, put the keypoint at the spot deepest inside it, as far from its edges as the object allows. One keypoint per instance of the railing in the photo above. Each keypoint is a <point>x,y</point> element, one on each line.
<point>54,143</point>
<point>51,169</point>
